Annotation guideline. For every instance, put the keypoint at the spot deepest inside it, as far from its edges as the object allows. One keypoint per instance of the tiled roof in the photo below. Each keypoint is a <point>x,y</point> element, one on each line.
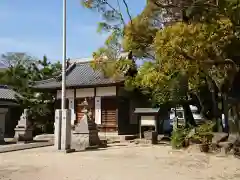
<point>7,94</point>
<point>77,75</point>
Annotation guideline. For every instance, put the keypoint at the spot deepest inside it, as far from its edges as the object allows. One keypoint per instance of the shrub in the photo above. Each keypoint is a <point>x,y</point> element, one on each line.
<point>178,138</point>
<point>204,133</point>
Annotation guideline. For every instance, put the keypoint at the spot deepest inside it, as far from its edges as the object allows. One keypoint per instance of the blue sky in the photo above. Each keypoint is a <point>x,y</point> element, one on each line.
<point>35,27</point>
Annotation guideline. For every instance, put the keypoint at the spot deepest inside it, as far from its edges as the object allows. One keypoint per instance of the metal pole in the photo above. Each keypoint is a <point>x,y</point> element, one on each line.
<point>64,56</point>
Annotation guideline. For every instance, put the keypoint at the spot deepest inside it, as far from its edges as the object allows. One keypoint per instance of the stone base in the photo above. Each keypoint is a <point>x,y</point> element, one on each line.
<point>68,151</point>
<point>23,135</point>
<point>151,135</point>
<point>83,141</point>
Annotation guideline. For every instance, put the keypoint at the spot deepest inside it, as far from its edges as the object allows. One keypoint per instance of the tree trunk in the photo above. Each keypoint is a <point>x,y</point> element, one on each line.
<point>189,120</point>
<point>225,112</point>
<point>214,103</point>
<point>201,106</point>
<point>237,118</point>
<point>175,113</point>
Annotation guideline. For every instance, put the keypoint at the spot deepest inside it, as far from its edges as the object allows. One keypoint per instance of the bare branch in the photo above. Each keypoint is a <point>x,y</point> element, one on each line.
<point>121,16</point>
<point>128,12</point>
<point>114,9</point>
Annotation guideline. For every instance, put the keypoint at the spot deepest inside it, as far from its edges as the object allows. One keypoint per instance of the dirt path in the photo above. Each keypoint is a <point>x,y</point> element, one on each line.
<point>121,163</point>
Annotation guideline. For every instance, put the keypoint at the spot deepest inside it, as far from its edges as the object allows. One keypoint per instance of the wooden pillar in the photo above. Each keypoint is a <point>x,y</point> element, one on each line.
<point>98,111</point>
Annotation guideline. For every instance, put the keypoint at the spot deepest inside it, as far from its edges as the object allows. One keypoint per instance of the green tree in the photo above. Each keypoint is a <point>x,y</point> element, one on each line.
<point>23,70</point>
<point>115,16</point>
<point>183,58</point>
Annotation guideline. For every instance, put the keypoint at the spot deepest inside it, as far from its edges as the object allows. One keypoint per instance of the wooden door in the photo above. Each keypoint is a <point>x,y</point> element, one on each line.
<point>109,115</point>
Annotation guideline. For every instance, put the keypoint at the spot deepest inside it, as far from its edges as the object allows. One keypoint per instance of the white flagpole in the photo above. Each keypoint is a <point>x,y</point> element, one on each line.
<point>64,56</point>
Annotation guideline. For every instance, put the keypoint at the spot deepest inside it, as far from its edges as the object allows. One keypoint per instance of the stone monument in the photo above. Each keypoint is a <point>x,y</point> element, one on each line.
<point>66,131</point>
<point>85,134</point>
<point>23,130</point>
<point>57,129</point>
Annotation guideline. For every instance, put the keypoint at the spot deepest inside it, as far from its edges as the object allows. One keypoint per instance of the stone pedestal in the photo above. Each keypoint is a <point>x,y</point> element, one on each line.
<point>23,131</point>
<point>23,134</point>
<point>85,134</point>
<point>57,129</point>
<point>3,112</point>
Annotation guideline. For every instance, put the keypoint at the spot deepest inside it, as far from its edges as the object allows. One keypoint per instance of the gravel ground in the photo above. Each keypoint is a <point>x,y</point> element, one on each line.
<point>117,163</point>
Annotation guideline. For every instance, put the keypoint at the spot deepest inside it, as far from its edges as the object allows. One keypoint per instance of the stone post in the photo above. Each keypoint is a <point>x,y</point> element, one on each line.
<point>66,130</point>
<point>57,129</point>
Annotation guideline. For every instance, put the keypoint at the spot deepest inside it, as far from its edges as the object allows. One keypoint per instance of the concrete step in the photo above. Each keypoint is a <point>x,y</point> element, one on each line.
<point>17,147</point>
<point>115,138</point>
<point>109,137</point>
<point>44,137</point>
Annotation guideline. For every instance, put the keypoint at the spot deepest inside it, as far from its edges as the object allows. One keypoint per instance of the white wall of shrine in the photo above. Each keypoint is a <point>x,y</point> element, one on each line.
<point>106,91</point>
<point>69,93</point>
<point>84,92</point>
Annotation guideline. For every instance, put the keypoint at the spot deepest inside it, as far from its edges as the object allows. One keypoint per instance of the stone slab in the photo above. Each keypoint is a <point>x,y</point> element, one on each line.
<point>18,147</point>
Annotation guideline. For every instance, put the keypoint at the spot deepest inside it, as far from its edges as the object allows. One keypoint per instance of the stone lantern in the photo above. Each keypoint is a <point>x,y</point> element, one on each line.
<point>85,134</point>
<point>23,130</point>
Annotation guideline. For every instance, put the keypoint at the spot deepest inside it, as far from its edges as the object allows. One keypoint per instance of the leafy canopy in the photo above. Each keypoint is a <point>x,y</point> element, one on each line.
<point>21,73</point>
<point>180,57</point>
